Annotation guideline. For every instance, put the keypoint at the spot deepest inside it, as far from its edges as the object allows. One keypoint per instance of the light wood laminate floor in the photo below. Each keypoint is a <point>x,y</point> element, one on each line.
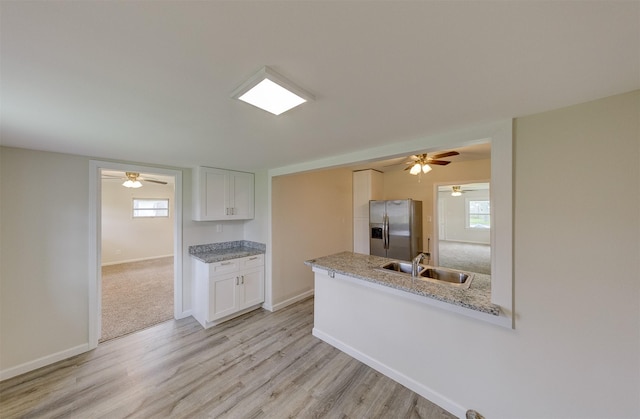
<point>260,365</point>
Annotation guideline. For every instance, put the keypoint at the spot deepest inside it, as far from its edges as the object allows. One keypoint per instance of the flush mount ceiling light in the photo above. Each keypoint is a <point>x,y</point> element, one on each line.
<point>271,92</point>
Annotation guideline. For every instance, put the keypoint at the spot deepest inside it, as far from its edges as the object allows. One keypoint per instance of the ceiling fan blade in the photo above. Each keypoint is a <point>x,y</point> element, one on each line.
<point>154,181</point>
<point>439,162</point>
<point>111,177</point>
<point>447,154</point>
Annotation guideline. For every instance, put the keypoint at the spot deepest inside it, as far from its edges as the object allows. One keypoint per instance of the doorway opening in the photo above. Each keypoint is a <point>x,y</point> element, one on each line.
<point>135,268</point>
<point>137,213</point>
<point>463,234</point>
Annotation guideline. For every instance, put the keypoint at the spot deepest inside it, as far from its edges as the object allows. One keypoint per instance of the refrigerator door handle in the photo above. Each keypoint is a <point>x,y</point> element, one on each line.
<point>385,231</point>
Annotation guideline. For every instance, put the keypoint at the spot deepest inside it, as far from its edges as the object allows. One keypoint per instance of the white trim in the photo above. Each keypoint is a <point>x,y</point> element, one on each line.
<point>435,254</point>
<point>501,196</point>
<point>43,361</point>
<point>470,136</point>
<point>221,320</point>
<point>95,279</point>
<point>289,301</point>
<point>95,250</point>
<point>135,260</point>
<point>395,375</point>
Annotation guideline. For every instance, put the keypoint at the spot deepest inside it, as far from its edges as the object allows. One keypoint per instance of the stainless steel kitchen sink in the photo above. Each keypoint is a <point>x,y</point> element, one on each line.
<point>439,275</point>
<point>450,276</point>
<point>403,267</point>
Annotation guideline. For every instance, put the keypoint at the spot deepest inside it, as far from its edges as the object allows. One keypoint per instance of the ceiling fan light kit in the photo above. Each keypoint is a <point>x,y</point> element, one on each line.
<point>420,163</point>
<point>456,191</point>
<point>417,168</point>
<point>132,184</point>
<point>133,179</point>
<point>271,92</point>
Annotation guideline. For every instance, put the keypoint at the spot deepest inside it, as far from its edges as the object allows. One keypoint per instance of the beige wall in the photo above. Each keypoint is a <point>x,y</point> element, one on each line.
<point>257,229</point>
<point>44,251</point>
<point>127,239</point>
<point>311,216</point>
<point>44,236</point>
<point>401,185</point>
<point>454,213</point>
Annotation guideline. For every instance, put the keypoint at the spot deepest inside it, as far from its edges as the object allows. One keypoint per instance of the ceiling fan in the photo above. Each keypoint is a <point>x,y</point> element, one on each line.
<point>133,179</point>
<point>457,190</point>
<point>421,162</point>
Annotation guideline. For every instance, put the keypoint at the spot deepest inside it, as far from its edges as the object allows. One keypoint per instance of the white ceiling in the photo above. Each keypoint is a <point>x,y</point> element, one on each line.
<point>150,82</point>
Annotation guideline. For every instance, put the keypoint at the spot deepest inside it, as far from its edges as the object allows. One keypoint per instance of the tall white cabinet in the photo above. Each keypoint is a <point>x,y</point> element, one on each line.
<point>220,194</point>
<point>367,185</point>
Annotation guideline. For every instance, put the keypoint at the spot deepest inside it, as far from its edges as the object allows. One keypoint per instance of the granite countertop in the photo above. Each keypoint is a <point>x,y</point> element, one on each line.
<point>219,252</point>
<point>476,297</point>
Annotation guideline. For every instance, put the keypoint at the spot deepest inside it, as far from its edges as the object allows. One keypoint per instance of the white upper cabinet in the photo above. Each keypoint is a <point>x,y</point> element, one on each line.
<point>222,194</point>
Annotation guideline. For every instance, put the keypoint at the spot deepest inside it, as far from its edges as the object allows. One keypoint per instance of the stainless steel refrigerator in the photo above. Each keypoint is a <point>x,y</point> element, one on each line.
<point>395,228</point>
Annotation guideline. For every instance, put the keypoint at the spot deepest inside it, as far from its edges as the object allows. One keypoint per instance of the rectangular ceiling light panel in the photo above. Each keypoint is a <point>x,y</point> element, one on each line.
<point>271,92</point>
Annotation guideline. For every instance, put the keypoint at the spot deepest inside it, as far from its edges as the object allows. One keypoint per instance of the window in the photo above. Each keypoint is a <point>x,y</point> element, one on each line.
<point>478,214</point>
<point>146,208</point>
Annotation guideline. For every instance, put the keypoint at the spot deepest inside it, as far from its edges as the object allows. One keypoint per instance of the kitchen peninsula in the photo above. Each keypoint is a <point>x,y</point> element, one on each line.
<point>365,270</point>
<point>391,321</point>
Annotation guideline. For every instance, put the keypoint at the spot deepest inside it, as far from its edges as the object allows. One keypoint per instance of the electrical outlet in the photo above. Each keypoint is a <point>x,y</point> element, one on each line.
<point>218,228</point>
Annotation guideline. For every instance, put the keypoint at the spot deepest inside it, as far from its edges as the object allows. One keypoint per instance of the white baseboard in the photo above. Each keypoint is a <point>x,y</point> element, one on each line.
<point>397,376</point>
<point>183,315</point>
<point>42,362</point>
<point>288,302</point>
<point>118,262</point>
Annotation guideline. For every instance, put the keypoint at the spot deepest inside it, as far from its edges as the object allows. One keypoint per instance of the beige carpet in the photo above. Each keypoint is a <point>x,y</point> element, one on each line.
<point>136,295</point>
<point>470,257</point>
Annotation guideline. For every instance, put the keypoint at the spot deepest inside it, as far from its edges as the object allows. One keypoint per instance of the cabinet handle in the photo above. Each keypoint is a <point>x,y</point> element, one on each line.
<point>226,263</point>
<point>253,258</point>
<point>237,281</point>
<point>242,279</point>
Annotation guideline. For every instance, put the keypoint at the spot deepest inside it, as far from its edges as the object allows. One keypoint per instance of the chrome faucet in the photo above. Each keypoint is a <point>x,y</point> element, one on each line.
<point>416,263</point>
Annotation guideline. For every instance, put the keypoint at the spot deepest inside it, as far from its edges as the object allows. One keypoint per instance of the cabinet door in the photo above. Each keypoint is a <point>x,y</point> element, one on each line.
<point>210,194</point>
<point>252,290</point>
<point>215,194</point>
<point>241,195</point>
<point>223,295</point>
<point>222,194</point>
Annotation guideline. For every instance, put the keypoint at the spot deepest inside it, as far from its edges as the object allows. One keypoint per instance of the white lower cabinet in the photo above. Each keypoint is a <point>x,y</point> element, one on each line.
<point>224,290</point>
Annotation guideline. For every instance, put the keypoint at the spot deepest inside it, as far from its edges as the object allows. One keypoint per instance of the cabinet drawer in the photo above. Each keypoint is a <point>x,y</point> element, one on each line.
<point>252,261</point>
<point>223,267</point>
